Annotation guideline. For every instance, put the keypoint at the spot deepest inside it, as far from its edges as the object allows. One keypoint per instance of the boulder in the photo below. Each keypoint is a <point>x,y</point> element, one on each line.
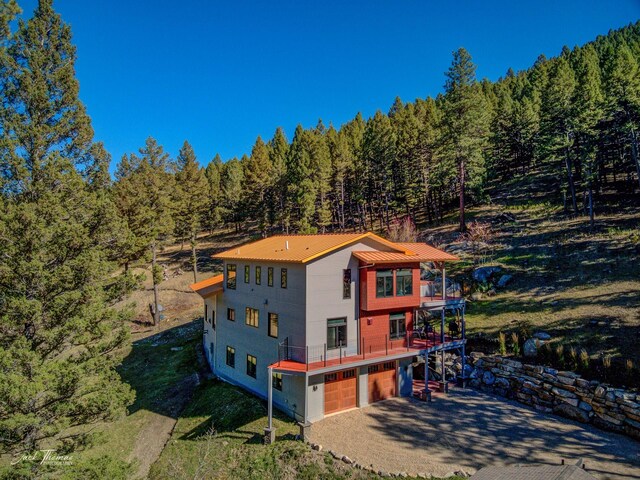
<point>504,279</point>
<point>530,348</point>
<point>572,412</point>
<point>544,336</point>
<point>488,378</point>
<point>477,296</point>
<point>482,274</point>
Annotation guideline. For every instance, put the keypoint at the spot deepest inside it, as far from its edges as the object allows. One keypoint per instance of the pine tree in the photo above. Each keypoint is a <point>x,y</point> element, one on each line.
<point>321,173</point>
<point>557,103</point>
<point>143,196</point>
<point>231,183</point>
<point>213,215</point>
<point>301,189</point>
<point>464,125</point>
<point>587,114</point>
<point>58,333</point>
<point>190,199</point>
<point>278,152</point>
<point>258,178</point>
<point>623,98</point>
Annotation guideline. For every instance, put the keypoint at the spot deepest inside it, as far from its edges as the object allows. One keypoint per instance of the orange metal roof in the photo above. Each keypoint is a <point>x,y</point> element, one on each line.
<point>419,252</point>
<point>302,248</point>
<point>428,252</point>
<point>208,287</point>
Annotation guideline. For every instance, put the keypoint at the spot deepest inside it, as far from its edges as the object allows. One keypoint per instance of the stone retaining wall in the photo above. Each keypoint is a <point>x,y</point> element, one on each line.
<point>563,393</point>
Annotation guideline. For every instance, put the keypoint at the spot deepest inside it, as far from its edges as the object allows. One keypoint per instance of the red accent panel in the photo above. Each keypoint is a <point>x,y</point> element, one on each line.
<point>368,299</point>
<point>373,334</point>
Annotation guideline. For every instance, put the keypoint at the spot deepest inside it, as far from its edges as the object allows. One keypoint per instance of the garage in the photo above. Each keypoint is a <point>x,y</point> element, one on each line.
<point>339,391</point>
<point>382,381</point>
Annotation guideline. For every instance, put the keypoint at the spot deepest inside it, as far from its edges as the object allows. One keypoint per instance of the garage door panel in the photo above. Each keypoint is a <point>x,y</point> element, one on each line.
<point>340,391</point>
<point>382,381</point>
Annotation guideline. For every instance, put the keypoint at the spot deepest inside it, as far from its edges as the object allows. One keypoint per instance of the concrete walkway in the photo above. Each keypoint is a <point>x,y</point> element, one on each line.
<point>468,430</point>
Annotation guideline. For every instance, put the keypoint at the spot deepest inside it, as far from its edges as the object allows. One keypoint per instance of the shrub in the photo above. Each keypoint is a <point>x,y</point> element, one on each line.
<point>502,343</point>
<point>584,360</point>
<point>572,362</point>
<point>559,356</point>
<point>515,344</point>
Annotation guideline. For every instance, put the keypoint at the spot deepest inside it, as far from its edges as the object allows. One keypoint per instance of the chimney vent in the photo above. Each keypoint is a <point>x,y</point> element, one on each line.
<point>286,245</point>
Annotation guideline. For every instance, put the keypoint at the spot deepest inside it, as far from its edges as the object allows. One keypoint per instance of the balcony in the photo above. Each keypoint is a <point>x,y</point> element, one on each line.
<point>316,357</point>
<point>431,294</point>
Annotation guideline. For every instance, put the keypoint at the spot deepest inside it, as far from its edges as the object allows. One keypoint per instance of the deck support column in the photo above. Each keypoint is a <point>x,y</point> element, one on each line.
<point>427,390</point>
<point>443,381</point>
<point>270,431</point>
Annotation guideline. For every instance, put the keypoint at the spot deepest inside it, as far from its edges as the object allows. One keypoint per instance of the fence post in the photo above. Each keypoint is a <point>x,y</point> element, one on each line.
<point>341,354</point>
<point>386,345</point>
<point>325,354</point>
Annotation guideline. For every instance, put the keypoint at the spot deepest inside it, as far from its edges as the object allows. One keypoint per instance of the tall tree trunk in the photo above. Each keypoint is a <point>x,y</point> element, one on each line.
<point>634,152</point>
<point>463,225</point>
<point>194,257</point>
<point>591,213</point>
<point>155,311</point>
<point>572,187</point>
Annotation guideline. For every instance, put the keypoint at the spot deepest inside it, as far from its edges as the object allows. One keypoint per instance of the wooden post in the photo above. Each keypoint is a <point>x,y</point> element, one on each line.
<point>442,326</point>
<point>444,283</point>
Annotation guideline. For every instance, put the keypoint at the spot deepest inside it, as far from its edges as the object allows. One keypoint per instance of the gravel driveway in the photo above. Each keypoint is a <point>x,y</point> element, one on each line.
<point>468,430</point>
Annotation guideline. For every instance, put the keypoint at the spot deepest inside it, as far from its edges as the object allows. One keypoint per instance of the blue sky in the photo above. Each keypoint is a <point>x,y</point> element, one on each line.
<point>221,73</point>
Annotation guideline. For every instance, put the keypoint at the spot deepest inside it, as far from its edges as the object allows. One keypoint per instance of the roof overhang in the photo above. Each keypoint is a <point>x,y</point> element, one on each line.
<point>209,287</point>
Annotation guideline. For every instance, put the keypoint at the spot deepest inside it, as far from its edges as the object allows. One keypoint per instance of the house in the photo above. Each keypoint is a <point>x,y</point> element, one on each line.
<point>323,323</point>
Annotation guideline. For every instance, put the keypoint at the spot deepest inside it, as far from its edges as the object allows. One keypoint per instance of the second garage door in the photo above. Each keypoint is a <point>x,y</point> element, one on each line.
<point>339,391</point>
<point>382,381</point>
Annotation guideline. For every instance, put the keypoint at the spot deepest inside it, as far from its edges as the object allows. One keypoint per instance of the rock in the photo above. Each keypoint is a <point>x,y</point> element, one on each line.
<point>504,279</point>
<point>488,378</point>
<point>347,460</point>
<point>572,412</point>
<point>477,296</point>
<point>530,348</point>
<point>483,274</point>
<point>585,406</point>
<point>542,336</point>
<point>316,447</point>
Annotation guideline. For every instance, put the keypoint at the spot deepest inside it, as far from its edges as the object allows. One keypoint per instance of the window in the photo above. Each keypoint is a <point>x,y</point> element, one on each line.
<point>270,276</point>
<point>404,282</point>
<point>231,314</point>
<point>231,276</point>
<point>258,273</point>
<point>276,381</point>
<point>389,366</point>
<point>213,319</point>
<point>384,283</point>
<point>247,269</point>
<point>346,283</point>
<point>283,277</point>
<point>330,377</point>
<point>252,364</point>
<point>231,357</point>
<point>349,373</point>
<point>273,325</point>
<point>206,312</point>
<point>373,369</point>
<point>336,332</point>
<point>397,325</point>
<point>251,317</point>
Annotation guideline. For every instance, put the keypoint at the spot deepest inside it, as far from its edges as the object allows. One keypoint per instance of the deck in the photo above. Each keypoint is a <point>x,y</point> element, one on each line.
<point>391,351</point>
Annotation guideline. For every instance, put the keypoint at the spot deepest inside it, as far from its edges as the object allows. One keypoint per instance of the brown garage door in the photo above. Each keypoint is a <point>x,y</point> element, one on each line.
<point>339,391</point>
<point>382,381</point>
